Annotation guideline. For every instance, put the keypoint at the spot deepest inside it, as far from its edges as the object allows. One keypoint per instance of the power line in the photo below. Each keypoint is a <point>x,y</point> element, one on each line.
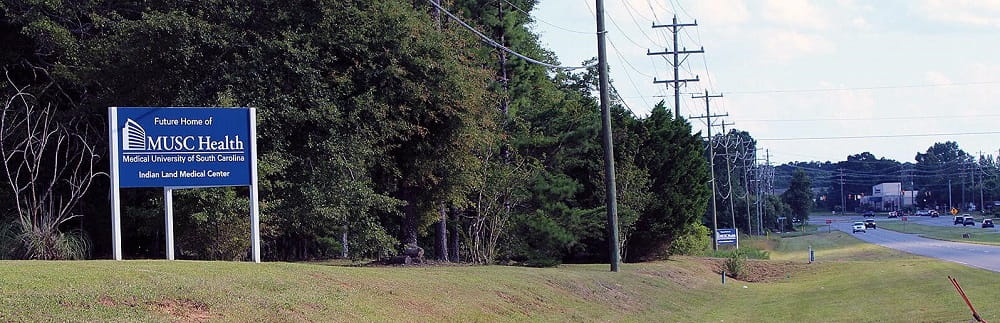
<point>884,136</point>
<point>905,86</point>
<point>546,22</point>
<point>629,77</point>
<point>495,44</point>
<point>873,118</point>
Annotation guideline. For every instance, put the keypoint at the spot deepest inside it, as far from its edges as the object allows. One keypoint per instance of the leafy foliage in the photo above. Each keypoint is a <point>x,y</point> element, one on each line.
<point>372,118</point>
<point>799,196</point>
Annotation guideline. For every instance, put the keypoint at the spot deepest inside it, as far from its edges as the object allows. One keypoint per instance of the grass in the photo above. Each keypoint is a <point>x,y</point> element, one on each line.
<point>851,281</point>
<point>978,235</point>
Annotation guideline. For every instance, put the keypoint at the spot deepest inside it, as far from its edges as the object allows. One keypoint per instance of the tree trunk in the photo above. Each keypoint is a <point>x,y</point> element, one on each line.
<point>441,239</point>
<point>411,217</point>
<point>343,242</point>
<point>456,227</point>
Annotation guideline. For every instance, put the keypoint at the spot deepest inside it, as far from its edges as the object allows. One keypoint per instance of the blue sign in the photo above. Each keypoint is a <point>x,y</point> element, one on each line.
<point>182,147</point>
<point>726,236</point>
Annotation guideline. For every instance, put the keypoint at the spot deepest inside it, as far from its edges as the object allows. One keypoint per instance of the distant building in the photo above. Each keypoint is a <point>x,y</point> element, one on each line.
<point>888,197</point>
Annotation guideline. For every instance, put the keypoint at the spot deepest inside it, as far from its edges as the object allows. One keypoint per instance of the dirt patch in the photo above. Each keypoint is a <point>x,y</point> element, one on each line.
<point>327,278</point>
<point>685,278</point>
<point>759,271</point>
<point>183,309</point>
<point>106,301</point>
<point>612,294</point>
<point>524,305</point>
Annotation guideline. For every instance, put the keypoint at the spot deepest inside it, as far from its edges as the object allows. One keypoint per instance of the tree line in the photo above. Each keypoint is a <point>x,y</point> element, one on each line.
<point>974,178</point>
<point>382,126</point>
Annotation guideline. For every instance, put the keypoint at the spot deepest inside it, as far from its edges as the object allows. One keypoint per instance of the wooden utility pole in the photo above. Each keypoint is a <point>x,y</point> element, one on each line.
<point>676,62</point>
<point>609,155</point>
<point>729,178</point>
<point>711,160</point>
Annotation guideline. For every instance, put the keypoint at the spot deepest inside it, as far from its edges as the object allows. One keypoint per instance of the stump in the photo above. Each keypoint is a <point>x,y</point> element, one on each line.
<point>401,260</point>
<point>967,235</point>
<point>414,252</point>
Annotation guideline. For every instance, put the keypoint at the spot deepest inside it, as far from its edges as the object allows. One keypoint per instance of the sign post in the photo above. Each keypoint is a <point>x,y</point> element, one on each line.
<point>182,148</point>
<point>829,225</point>
<point>168,212</point>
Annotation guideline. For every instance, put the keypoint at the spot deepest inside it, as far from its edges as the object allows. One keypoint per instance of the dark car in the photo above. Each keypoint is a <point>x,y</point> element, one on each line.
<point>987,223</point>
<point>968,221</point>
<point>959,220</point>
<point>870,224</point>
<point>869,214</point>
<point>934,214</point>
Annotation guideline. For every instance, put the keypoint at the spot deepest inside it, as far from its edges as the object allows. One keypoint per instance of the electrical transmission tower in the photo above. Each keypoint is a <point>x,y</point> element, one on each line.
<point>711,158</point>
<point>674,28</point>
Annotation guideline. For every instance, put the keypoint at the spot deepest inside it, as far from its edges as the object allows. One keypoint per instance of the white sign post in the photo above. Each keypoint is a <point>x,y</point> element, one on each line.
<point>168,210</point>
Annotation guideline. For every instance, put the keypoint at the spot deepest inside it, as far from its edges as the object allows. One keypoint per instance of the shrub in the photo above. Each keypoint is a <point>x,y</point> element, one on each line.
<point>696,240</point>
<point>734,264</point>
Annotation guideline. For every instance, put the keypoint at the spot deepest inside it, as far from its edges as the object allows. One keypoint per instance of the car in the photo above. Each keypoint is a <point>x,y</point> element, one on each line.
<point>987,223</point>
<point>893,214</point>
<point>858,227</point>
<point>968,220</point>
<point>869,214</point>
<point>934,214</point>
<point>959,219</point>
<point>923,213</point>
<point>870,224</point>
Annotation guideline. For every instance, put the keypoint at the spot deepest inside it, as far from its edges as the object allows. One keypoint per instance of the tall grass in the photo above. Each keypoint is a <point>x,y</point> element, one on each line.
<point>18,241</point>
<point>746,252</point>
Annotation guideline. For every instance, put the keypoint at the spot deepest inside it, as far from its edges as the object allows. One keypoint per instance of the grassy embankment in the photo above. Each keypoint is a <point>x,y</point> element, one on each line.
<point>851,281</point>
<point>977,235</point>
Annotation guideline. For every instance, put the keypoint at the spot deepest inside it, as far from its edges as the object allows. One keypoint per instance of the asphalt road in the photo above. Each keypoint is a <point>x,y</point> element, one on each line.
<point>972,255</point>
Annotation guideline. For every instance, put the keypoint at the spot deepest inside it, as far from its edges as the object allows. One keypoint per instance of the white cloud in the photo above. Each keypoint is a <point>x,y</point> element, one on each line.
<point>723,12</point>
<point>860,23</point>
<point>982,13</point>
<point>936,78</point>
<point>795,13</point>
<point>786,45</point>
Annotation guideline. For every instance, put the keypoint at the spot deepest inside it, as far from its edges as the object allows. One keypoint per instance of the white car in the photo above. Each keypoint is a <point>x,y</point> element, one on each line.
<point>858,227</point>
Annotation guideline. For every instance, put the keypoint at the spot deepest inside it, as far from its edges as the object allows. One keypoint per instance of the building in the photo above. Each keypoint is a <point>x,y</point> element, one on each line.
<point>888,197</point>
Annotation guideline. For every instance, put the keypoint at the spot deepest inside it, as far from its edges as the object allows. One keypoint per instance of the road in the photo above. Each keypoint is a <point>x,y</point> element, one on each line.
<point>972,255</point>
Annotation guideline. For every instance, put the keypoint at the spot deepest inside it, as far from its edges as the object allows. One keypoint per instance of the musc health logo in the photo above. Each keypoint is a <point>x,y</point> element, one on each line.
<point>133,135</point>
<point>134,138</point>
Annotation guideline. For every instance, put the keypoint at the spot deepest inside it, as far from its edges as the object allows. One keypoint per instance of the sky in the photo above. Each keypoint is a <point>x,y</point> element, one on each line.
<point>795,69</point>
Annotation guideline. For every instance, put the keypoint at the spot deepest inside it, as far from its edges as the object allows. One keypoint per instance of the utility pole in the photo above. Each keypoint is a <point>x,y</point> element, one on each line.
<point>729,178</point>
<point>979,169</point>
<point>843,199</point>
<point>746,188</point>
<point>965,170</point>
<point>609,155</point>
<point>711,159</point>
<point>768,187</point>
<point>676,63</point>
<point>949,195</point>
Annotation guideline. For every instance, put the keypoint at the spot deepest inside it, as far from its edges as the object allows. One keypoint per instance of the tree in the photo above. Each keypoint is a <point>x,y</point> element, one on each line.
<point>48,168</point>
<point>941,163</point>
<point>678,174</point>
<point>799,196</point>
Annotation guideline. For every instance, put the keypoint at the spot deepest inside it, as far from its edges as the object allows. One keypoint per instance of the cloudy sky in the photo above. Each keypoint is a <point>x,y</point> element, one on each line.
<point>793,69</point>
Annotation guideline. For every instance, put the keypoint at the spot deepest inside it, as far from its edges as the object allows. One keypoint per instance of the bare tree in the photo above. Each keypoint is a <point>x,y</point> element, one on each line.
<point>494,200</point>
<point>48,167</point>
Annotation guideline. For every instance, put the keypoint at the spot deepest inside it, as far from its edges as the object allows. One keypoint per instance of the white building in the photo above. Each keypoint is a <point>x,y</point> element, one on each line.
<point>889,196</point>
